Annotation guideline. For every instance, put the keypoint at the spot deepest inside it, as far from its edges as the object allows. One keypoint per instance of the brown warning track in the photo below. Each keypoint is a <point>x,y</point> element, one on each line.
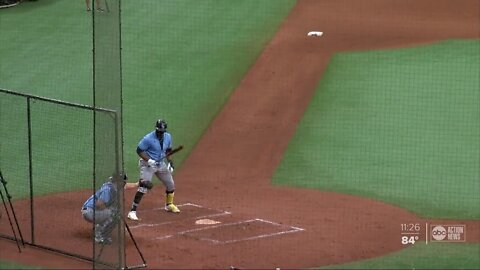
<point>232,165</point>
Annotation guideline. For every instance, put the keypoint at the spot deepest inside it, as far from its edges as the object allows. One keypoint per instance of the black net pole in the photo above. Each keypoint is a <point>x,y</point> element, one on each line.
<point>9,197</point>
<point>30,172</point>
<point>95,259</point>
<point>138,249</point>
<point>10,220</point>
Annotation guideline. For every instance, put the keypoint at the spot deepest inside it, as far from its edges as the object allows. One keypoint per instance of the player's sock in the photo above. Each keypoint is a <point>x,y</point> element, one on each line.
<point>136,200</point>
<point>170,196</point>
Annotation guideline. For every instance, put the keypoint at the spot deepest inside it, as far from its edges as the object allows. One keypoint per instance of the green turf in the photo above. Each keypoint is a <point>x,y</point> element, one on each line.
<point>401,126</point>
<point>181,60</point>
<point>46,50</point>
<point>12,265</point>
<point>185,58</point>
<point>421,256</point>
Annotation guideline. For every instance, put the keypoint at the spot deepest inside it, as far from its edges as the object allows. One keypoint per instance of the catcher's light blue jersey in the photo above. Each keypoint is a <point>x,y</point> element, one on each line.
<point>150,144</point>
<point>106,193</point>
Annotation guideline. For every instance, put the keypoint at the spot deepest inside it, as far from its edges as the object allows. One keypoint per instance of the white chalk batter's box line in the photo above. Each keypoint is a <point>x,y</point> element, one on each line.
<point>290,229</point>
<point>221,213</point>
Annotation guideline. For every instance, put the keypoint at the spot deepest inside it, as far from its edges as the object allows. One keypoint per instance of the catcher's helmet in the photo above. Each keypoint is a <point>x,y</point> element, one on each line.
<point>161,125</point>
<point>119,177</point>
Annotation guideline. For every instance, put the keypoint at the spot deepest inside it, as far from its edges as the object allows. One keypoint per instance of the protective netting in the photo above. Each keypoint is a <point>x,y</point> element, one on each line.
<point>61,136</point>
<point>107,93</point>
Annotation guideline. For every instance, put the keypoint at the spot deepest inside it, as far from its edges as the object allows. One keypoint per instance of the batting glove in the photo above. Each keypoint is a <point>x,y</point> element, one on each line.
<point>170,167</point>
<point>152,163</point>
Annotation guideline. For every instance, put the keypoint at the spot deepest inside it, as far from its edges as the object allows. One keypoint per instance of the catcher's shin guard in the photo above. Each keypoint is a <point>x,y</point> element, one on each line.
<point>105,229</point>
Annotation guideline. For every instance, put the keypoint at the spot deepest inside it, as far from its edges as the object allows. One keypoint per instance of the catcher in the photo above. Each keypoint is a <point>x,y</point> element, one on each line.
<point>102,208</point>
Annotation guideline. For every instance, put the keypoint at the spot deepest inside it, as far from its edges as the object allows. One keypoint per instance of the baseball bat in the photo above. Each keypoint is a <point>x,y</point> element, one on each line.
<point>175,150</point>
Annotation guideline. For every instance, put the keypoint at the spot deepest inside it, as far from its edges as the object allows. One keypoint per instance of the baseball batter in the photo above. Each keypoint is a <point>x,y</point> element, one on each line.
<point>153,150</point>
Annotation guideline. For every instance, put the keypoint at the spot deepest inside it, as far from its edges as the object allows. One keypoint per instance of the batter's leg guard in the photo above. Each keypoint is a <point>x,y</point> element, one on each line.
<point>169,206</point>
<point>136,200</point>
<point>143,187</point>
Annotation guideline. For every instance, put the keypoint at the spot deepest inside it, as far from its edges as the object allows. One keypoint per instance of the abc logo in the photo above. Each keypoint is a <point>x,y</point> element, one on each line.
<point>439,233</point>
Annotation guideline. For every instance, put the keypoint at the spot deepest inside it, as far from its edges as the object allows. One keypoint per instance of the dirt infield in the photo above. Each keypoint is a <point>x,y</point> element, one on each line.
<point>226,179</point>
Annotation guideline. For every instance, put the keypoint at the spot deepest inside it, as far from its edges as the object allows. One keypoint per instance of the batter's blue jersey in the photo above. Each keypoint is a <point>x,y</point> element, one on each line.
<point>150,144</point>
<point>106,193</point>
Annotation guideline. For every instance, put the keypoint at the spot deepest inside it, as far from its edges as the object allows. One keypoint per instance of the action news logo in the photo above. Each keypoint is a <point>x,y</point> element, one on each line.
<point>447,233</point>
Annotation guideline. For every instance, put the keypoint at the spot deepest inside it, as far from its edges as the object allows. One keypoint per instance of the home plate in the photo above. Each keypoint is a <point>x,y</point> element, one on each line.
<point>315,34</point>
<point>206,222</point>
